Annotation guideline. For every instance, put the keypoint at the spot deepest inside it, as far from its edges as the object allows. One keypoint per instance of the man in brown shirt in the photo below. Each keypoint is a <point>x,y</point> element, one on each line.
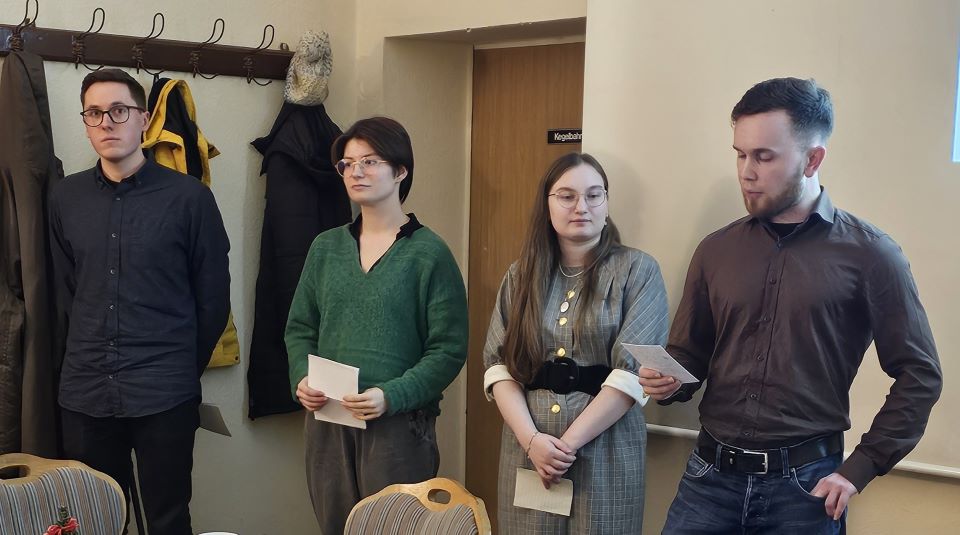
<point>777,312</point>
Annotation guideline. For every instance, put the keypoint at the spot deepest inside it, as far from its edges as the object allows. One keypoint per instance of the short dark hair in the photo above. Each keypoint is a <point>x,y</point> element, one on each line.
<point>115,75</point>
<point>388,138</point>
<point>807,104</point>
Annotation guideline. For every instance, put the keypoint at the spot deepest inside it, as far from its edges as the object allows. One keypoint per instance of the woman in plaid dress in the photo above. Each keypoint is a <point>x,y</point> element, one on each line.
<point>572,298</point>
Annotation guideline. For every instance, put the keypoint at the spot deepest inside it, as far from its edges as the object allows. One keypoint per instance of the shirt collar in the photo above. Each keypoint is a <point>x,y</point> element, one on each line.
<point>822,208</point>
<point>406,230</point>
<point>146,172</point>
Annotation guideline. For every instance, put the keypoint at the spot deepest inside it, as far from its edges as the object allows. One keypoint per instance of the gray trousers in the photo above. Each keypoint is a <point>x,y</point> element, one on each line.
<point>345,464</point>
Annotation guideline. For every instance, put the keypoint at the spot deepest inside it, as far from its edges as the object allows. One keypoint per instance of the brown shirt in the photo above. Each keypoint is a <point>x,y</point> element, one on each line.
<point>777,328</point>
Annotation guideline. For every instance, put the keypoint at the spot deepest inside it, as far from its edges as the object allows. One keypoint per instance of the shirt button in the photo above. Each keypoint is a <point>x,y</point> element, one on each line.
<point>760,358</point>
<point>564,306</point>
<point>772,281</point>
<point>562,321</point>
<point>561,352</point>
<point>764,319</point>
<point>746,433</point>
<point>112,306</point>
<point>112,343</point>
<point>555,408</point>
<point>570,294</point>
<point>113,234</point>
<point>113,271</point>
<point>117,198</point>
<point>109,377</point>
<point>753,396</point>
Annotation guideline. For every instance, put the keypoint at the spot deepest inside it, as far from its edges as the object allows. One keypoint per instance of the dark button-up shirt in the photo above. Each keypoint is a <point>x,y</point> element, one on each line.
<point>142,266</point>
<point>778,327</point>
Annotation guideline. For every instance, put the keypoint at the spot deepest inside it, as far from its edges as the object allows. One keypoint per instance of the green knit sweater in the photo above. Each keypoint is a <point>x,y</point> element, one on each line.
<point>404,323</point>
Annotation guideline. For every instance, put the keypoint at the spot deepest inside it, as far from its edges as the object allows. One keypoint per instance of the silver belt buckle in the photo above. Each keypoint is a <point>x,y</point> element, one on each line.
<point>765,459</point>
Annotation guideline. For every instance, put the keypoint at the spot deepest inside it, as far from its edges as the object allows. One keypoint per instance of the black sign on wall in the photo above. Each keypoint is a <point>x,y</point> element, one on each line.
<point>561,136</point>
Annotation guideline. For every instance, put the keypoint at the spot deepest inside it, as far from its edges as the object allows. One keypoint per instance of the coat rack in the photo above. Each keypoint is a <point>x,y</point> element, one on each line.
<point>206,59</point>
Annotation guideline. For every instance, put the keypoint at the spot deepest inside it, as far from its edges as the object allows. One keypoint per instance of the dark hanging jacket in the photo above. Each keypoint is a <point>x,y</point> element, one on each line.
<point>31,326</point>
<point>305,196</point>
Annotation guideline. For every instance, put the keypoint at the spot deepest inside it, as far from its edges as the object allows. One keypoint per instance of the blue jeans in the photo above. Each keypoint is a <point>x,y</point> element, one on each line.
<point>709,501</point>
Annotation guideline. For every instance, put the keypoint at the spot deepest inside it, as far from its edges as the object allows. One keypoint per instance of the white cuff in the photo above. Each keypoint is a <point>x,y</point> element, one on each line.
<point>627,383</point>
<point>495,374</point>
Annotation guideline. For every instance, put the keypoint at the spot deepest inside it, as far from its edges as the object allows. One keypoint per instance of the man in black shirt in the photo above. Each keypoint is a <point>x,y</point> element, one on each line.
<point>140,256</point>
<point>777,311</point>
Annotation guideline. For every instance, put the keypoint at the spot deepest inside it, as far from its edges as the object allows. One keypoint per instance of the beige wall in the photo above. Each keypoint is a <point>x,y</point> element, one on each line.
<point>661,78</point>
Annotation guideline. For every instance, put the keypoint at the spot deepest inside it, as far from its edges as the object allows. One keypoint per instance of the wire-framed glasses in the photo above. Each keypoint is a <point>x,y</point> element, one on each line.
<point>118,114</point>
<point>568,198</point>
<point>363,163</point>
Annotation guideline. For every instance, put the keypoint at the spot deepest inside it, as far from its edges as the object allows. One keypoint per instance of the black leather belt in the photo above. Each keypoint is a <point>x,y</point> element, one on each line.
<point>733,459</point>
<point>562,375</point>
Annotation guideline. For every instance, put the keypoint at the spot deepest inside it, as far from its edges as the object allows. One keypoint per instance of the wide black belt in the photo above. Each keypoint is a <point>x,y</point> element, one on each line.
<point>562,375</point>
<point>732,459</point>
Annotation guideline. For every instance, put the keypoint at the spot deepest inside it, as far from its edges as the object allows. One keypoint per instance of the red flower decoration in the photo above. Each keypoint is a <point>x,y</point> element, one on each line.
<point>66,524</point>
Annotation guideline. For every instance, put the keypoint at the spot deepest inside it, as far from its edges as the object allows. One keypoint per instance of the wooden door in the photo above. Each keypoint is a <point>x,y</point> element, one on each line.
<point>518,94</point>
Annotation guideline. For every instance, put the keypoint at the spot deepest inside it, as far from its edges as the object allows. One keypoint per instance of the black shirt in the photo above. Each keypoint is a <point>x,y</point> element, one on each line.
<point>406,230</point>
<point>777,327</point>
<point>142,271</point>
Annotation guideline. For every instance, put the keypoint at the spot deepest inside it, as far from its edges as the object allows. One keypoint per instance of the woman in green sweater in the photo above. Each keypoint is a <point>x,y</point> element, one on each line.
<point>385,295</point>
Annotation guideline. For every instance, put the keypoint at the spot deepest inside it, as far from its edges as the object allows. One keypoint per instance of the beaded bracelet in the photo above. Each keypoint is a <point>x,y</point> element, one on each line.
<point>527,451</point>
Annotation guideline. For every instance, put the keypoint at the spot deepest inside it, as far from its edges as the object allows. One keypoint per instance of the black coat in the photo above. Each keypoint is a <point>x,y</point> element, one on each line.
<point>31,329</point>
<point>305,196</point>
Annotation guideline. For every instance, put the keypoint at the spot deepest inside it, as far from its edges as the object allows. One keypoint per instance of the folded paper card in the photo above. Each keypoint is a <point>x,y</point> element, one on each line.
<point>656,358</point>
<point>335,380</point>
<point>530,494</point>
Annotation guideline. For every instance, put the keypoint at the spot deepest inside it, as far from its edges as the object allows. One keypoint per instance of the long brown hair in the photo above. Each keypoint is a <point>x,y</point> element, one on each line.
<point>523,351</point>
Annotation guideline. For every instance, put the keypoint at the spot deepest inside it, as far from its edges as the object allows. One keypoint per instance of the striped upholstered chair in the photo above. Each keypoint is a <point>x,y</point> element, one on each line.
<point>30,500</point>
<point>416,509</point>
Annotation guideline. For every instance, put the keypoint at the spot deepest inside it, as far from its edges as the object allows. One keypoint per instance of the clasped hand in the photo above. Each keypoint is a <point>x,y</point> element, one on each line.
<point>551,457</point>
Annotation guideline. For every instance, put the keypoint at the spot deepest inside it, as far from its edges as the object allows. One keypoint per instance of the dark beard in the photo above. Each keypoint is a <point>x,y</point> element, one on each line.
<point>771,208</point>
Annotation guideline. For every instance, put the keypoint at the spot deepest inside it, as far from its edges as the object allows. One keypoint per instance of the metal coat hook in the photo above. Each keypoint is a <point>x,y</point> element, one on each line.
<point>138,48</point>
<point>79,45</point>
<point>195,54</point>
<point>16,40</point>
<point>248,64</point>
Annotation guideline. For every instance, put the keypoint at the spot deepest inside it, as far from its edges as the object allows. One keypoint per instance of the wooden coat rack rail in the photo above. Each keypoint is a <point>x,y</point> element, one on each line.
<point>92,49</point>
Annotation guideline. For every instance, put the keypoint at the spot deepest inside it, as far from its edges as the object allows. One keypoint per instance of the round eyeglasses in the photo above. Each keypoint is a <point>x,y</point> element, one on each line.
<point>118,114</point>
<point>568,198</point>
<point>363,163</point>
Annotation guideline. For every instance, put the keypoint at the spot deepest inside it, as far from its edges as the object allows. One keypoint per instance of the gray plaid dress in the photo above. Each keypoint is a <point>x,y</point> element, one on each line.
<point>608,476</point>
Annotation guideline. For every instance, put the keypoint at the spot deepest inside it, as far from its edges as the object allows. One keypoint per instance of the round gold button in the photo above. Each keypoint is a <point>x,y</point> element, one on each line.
<point>564,306</point>
<point>570,294</point>
<point>563,321</point>
<point>561,352</point>
<point>555,409</point>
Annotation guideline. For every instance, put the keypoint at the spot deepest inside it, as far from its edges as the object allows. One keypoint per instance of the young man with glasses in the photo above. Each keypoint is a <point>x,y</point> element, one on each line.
<point>140,257</point>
